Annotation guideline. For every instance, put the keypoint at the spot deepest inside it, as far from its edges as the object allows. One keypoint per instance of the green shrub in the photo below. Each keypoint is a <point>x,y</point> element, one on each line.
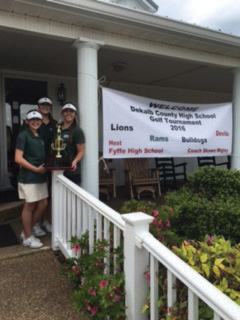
<point>209,204</point>
<point>210,182</point>
<point>98,295</point>
<point>217,260</point>
<point>162,215</point>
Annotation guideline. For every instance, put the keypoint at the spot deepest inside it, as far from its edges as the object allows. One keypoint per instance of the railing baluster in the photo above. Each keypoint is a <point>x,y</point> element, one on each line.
<point>91,214</point>
<point>116,244</point>
<point>99,226</point>
<point>85,211</point>
<point>64,217</point>
<point>61,208</point>
<point>216,316</point>
<point>153,288</point>
<point>171,289</point>
<point>79,218</point>
<point>69,217</point>
<point>73,201</point>
<point>192,306</point>
<point>107,237</point>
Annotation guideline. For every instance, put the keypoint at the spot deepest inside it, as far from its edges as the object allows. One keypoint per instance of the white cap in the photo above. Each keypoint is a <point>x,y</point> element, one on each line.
<point>69,106</point>
<point>34,114</point>
<point>45,100</point>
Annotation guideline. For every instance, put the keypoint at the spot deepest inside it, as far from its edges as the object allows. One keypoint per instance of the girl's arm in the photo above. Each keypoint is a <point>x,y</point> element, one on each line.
<point>25,164</point>
<point>79,155</point>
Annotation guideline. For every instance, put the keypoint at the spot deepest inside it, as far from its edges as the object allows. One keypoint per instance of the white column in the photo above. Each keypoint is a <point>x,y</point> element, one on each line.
<point>236,121</point>
<point>135,264</point>
<point>55,208</point>
<point>87,73</point>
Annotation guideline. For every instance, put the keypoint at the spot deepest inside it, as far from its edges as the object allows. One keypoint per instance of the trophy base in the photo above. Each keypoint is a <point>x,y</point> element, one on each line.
<point>58,164</point>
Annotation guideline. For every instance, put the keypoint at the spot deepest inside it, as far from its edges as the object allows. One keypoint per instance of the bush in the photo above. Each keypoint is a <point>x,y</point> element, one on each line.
<point>162,217</point>
<point>210,182</point>
<point>216,260</point>
<point>100,296</point>
<point>209,204</point>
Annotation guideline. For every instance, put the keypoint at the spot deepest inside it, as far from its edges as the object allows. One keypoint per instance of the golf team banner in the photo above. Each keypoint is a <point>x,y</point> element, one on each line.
<point>141,127</point>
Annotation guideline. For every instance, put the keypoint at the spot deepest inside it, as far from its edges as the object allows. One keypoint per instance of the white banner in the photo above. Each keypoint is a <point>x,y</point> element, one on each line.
<point>141,127</point>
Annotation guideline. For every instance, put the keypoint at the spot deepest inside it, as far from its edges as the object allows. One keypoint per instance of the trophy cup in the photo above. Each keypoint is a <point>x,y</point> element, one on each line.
<point>58,144</point>
<point>56,160</point>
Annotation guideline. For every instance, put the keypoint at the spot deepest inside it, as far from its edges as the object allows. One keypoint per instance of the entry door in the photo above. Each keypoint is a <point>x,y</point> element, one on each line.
<point>21,96</point>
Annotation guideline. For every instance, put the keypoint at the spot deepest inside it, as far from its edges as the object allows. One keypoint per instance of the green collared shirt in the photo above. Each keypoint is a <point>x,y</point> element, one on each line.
<point>34,152</point>
<point>70,151</point>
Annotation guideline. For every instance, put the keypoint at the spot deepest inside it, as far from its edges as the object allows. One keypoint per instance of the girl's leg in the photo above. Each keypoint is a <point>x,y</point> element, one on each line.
<point>39,210</point>
<point>27,215</point>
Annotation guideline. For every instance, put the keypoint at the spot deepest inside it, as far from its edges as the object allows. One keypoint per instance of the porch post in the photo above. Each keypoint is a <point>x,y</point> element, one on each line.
<point>135,264</point>
<point>87,73</point>
<point>55,208</point>
<point>236,120</point>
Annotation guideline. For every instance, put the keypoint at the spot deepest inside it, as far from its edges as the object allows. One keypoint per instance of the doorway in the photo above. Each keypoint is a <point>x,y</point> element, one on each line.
<point>21,96</point>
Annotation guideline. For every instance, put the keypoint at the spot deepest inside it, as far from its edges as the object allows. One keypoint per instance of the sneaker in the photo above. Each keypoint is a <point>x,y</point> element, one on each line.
<point>32,243</point>
<point>38,231</point>
<point>22,237</point>
<point>47,226</point>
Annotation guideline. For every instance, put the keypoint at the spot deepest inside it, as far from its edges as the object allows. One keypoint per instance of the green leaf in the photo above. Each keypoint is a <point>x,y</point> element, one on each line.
<point>144,308</point>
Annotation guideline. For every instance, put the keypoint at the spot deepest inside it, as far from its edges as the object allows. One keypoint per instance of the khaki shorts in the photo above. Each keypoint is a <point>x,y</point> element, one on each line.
<point>32,192</point>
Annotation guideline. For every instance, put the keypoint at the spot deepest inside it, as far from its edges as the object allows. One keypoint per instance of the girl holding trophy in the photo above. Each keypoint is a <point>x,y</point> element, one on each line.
<point>74,139</point>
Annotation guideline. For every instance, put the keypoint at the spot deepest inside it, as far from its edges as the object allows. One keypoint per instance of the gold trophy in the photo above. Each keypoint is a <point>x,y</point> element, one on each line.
<point>58,144</point>
<point>56,161</point>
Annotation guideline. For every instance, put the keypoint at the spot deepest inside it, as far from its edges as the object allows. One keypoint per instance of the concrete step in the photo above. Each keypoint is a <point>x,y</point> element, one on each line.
<point>10,210</point>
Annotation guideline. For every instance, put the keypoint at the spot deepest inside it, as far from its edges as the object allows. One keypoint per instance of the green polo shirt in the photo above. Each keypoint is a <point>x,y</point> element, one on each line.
<point>46,132</point>
<point>70,151</point>
<point>34,152</point>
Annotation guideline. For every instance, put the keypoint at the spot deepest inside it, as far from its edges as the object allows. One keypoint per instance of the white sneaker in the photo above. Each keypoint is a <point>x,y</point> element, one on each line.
<point>38,231</point>
<point>22,237</point>
<point>47,226</point>
<point>32,243</point>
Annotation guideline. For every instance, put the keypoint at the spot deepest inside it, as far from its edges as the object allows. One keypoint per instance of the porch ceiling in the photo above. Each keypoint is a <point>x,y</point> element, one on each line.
<point>115,19</point>
<point>24,52</point>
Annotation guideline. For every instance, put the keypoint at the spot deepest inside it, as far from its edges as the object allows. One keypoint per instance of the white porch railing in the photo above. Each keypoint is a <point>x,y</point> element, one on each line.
<point>74,211</point>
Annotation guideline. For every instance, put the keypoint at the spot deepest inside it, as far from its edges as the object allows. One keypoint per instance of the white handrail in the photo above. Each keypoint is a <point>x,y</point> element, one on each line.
<point>138,244</point>
<point>214,298</point>
<point>96,204</point>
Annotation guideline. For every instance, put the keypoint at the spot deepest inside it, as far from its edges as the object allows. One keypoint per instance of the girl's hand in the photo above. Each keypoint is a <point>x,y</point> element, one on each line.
<point>41,169</point>
<point>74,165</point>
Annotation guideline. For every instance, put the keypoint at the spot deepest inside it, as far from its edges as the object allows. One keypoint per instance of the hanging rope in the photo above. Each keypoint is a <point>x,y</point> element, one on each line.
<point>101,81</point>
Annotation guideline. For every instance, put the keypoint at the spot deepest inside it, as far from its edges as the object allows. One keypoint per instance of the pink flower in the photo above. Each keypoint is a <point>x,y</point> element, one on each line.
<point>93,310</point>
<point>88,308</point>
<point>75,270</point>
<point>76,248</point>
<point>103,284</point>
<point>117,298</point>
<point>160,223</point>
<point>210,239</point>
<point>167,224</point>
<point>148,277</point>
<point>155,213</point>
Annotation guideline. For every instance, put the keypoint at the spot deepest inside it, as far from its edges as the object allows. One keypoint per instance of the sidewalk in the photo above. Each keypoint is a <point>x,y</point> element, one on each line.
<point>31,288</point>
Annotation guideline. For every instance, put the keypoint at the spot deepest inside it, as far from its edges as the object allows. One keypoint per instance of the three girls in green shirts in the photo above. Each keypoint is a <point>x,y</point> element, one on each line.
<point>32,146</point>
